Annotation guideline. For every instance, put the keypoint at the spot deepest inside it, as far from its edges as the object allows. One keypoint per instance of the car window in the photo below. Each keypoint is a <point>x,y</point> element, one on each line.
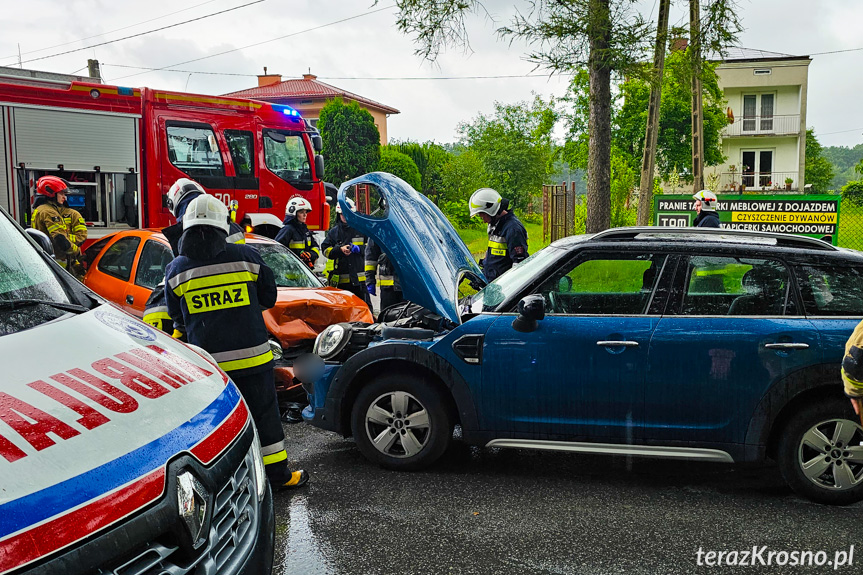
<point>285,155</point>
<point>118,258</point>
<point>831,290</point>
<point>151,266</point>
<point>509,284</point>
<point>288,269</point>
<point>242,148</point>
<point>194,150</point>
<point>718,285</point>
<point>602,284</point>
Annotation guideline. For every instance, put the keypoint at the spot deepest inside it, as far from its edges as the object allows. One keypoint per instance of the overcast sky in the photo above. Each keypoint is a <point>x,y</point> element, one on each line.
<point>369,47</point>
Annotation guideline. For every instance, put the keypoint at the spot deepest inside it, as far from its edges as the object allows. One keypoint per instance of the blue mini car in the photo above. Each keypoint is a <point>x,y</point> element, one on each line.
<point>698,344</point>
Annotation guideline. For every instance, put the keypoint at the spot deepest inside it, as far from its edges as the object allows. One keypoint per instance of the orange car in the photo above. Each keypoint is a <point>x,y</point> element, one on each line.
<point>125,267</point>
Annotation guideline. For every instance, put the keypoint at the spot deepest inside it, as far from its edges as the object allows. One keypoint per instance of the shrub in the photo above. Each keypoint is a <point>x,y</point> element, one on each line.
<point>400,165</point>
<point>853,192</point>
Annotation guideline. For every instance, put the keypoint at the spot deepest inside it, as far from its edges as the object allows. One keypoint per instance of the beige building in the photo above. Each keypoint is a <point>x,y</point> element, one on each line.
<point>308,95</point>
<point>765,145</point>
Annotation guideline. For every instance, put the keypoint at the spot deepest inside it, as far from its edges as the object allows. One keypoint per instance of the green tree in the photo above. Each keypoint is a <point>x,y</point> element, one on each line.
<point>461,176</point>
<point>515,147</point>
<point>606,36</point>
<point>430,159</point>
<point>674,145</point>
<point>819,170</point>
<point>351,141</point>
<point>401,165</point>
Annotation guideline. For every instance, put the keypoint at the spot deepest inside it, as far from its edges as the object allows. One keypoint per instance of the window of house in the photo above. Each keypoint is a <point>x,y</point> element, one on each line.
<point>762,71</point>
<point>755,116</point>
<point>194,150</point>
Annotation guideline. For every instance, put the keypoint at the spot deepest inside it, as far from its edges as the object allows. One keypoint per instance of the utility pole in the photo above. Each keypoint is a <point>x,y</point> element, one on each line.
<point>648,162</point>
<point>697,110</point>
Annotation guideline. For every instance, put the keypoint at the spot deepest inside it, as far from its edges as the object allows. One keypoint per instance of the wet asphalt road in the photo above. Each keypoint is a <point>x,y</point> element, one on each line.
<point>512,511</point>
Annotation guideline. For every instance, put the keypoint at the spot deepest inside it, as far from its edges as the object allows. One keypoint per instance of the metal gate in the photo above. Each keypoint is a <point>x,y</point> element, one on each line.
<point>558,211</point>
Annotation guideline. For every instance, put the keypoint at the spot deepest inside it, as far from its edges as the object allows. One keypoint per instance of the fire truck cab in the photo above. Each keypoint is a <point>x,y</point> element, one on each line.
<point>122,148</point>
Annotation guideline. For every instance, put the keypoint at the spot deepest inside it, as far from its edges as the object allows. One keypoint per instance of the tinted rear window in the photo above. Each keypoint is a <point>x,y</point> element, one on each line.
<point>830,290</point>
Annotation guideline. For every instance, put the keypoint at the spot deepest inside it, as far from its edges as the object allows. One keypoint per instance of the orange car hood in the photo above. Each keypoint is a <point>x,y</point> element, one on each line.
<point>302,313</point>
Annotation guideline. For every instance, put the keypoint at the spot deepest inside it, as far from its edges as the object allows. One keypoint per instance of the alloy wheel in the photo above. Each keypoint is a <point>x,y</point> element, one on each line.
<point>830,454</point>
<point>398,425</point>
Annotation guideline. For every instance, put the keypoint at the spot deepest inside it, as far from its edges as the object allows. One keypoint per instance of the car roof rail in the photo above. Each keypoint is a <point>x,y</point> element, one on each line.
<point>716,234</point>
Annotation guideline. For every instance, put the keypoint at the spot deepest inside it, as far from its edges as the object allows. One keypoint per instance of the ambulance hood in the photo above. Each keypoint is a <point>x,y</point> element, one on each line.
<point>112,400</point>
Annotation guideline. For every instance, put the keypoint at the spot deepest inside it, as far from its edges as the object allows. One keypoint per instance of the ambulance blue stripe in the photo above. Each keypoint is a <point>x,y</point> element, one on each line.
<point>56,499</point>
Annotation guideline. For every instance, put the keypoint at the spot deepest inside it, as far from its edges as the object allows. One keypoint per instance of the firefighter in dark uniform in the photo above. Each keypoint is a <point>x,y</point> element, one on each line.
<point>181,193</point>
<point>705,207</point>
<point>378,264</point>
<point>217,290</point>
<point>295,235</point>
<point>507,238</point>
<point>344,246</point>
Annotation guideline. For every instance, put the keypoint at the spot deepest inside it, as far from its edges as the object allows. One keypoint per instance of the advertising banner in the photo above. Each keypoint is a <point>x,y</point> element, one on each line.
<point>809,215</point>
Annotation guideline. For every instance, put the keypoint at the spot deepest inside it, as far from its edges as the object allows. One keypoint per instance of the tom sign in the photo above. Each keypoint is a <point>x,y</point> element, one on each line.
<point>808,215</point>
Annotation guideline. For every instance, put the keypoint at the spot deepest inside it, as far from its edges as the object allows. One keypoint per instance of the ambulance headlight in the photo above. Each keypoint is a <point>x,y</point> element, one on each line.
<point>332,340</point>
<point>257,456</point>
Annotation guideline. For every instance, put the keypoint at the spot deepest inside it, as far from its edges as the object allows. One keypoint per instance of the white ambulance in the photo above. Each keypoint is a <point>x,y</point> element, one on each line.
<point>122,451</point>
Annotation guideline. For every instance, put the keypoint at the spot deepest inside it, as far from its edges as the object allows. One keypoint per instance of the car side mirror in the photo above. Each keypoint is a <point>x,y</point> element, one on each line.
<point>319,166</point>
<point>531,309</point>
<point>317,142</point>
<point>42,239</point>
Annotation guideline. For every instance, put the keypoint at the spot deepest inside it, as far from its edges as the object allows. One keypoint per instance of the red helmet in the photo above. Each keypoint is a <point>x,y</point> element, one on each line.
<point>50,186</point>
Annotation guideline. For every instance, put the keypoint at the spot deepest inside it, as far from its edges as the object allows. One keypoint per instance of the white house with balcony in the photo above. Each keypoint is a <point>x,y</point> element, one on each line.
<point>765,144</point>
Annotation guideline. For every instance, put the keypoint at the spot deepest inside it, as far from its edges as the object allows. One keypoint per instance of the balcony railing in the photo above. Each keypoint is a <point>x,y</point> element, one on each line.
<point>758,181</point>
<point>764,125</point>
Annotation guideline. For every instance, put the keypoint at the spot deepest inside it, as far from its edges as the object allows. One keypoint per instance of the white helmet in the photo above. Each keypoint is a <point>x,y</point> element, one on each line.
<point>206,210</point>
<point>708,200</point>
<point>485,200</point>
<point>182,188</point>
<point>296,204</point>
<point>351,205</point>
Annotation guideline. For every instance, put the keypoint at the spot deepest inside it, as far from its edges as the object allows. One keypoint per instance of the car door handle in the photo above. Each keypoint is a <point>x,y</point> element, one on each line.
<point>130,299</point>
<point>786,345</point>
<point>617,343</point>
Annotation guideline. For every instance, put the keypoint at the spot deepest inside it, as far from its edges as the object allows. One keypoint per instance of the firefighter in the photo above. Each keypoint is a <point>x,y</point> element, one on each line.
<point>705,207</point>
<point>295,235</point>
<point>378,264</point>
<point>507,238</point>
<point>344,246</point>
<point>217,290</point>
<point>62,224</point>
<point>852,370</point>
<point>180,195</point>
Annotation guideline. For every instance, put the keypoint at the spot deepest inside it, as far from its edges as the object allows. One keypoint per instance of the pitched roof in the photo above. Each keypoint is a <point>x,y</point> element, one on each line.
<point>308,88</point>
<point>738,53</point>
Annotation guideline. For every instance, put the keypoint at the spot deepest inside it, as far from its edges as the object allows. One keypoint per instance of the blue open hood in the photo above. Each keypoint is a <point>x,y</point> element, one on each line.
<point>427,253</point>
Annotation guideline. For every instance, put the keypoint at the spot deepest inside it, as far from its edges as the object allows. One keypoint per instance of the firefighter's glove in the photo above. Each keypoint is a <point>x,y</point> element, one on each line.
<point>371,289</point>
<point>307,259</point>
<point>355,249</point>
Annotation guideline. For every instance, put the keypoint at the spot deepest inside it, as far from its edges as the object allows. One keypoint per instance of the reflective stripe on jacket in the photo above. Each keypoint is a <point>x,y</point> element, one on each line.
<point>297,237</point>
<point>507,245</point>
<point>347,269</point>
<point>378,264</point>
<point>852,363</point>
<point>219,302</point>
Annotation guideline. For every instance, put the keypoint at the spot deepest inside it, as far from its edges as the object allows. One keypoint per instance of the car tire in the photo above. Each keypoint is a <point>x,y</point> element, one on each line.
<point>401,422</point>
<point>820,455</point>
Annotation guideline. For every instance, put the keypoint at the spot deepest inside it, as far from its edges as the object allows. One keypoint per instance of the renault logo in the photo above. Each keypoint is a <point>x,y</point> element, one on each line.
<point>192,497</point>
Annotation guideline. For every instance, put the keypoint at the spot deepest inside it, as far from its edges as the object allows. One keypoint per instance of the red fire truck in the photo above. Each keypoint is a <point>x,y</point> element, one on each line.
<point>122,148</point>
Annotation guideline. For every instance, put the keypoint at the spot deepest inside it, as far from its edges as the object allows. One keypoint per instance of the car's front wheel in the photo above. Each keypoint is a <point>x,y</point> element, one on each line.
<point>821,453</point>
<point>401,422</point>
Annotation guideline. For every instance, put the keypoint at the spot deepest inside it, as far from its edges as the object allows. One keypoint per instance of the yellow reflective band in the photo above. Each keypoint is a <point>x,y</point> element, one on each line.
<point>316,251</point>
<point>330,265</point>
<point>79,228</point>
<point>248,362</point>
<point>55,227</point>
<point>346,279</point>
<point>236,238</point>
<point>851,380</point>
<point>195,284</point>
<point>276,457</point>
<point>496,248</point>
<point>370,267</point>
<point>387,283</point>
<point>222,297</point>
<point>358,241</point>
<point>327,251</point>
<point>297,245</point>
<point>155,319</point>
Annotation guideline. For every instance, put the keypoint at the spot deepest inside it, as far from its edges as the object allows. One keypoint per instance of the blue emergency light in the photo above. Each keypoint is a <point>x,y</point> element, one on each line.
<point>288,111</point>
<point>125,91</point>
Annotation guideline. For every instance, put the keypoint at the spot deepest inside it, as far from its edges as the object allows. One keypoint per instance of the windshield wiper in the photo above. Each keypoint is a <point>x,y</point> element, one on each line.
<point>19,303</point>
